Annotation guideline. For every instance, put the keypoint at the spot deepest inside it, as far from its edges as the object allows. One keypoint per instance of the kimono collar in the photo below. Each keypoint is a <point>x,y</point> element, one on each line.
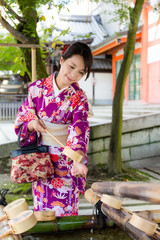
<point>56,90</point>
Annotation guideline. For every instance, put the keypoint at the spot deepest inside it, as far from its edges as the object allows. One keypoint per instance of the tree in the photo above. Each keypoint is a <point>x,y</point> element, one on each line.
<point>114,158</point>
<point>22,25</point>
<point>125,11</point>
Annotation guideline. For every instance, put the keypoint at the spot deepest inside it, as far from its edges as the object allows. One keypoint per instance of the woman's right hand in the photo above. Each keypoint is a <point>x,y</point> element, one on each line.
<point>79,170</point>
<point>37,125</point>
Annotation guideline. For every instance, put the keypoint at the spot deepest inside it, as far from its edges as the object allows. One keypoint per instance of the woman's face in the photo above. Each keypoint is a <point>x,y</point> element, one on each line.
<point>72,70</point>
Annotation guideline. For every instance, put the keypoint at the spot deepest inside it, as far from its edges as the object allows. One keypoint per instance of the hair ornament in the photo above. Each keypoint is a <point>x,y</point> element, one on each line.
<point>65,48</point>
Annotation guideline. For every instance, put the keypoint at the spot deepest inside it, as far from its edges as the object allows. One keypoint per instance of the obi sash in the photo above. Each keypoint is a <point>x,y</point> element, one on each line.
<point>60,131</point>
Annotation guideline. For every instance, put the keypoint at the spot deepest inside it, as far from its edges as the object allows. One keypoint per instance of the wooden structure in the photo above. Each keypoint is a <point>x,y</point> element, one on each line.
<point>139,225</point>
<point>33,52</point>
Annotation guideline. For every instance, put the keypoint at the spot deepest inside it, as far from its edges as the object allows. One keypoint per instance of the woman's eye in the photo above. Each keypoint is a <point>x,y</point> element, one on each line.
<point>81,73</point>
<point>71,67</point>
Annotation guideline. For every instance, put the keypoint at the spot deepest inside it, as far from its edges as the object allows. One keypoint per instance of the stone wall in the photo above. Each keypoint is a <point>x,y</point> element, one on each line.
<point>140,142</point>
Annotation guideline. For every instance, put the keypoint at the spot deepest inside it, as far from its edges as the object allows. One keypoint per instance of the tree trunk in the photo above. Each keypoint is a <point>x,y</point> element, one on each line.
<point>114,157</point>
<point>28,28</point>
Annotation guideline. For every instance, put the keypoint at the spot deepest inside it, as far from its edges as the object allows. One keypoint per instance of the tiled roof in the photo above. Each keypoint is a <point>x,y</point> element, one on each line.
<point>102,65</point>
<point>80,25</point>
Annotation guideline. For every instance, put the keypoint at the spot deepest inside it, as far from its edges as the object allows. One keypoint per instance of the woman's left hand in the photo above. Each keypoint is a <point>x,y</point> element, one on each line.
<point>79,170</point>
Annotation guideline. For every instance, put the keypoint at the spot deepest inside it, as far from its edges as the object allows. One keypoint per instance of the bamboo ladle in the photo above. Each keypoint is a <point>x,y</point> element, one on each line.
<point>46,215</point>
<point>14,208</point>
<point>145,225</point>
<point>19,224</point>
<point>67,151</point>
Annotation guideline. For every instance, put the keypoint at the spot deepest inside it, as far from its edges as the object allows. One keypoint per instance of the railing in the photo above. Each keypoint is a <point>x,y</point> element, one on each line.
<point>9,106</point>
<point>8,111</point>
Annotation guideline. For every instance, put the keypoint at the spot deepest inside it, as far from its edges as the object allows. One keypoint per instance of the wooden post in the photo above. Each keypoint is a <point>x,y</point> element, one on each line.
<point>33,64</point>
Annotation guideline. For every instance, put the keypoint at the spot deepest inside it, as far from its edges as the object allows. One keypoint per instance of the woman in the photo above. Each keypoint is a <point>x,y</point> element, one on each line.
<point>58,99</point>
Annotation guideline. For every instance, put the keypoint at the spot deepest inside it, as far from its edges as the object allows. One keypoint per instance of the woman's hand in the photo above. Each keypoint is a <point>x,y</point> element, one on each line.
<point>37,125</point>
<point>79,170</point>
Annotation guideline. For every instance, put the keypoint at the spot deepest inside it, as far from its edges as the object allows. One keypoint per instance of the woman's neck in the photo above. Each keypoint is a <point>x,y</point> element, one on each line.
<point>58,82</point>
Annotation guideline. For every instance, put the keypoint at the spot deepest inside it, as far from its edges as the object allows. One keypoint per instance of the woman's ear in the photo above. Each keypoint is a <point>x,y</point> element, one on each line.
<point>61,60</point>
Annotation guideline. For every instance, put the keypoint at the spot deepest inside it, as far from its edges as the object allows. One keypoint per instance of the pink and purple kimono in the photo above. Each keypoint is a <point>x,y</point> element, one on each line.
<point>68,106</point>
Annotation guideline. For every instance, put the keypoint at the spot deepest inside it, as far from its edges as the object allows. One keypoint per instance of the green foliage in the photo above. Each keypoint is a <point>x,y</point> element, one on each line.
<point>11,57</point>
<point>17,59</point>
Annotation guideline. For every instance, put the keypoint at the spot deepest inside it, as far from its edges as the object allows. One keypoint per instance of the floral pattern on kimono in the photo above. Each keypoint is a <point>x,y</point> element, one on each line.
<point>70,106</point>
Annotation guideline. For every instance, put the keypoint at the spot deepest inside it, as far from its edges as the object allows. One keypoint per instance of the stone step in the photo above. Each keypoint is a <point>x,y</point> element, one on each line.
<point>130,204</point>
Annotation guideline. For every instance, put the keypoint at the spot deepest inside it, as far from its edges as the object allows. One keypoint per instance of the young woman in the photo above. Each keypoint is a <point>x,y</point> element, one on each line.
<point>59,101</point>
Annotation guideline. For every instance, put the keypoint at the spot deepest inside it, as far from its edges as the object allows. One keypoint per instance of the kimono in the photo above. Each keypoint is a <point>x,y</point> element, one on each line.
<point>67,106</point>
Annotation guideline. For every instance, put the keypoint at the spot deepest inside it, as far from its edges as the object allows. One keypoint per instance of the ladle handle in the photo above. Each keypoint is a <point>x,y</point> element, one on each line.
<point>2,218</point>
<point>55,138</point>
<point>157,232</point>
<point>6,234</point>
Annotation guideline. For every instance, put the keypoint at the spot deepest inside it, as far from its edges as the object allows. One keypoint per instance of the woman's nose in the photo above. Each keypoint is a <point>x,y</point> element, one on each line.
<point>73,74</point>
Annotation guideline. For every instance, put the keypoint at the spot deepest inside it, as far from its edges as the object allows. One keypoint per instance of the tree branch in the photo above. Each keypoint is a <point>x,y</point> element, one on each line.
<point>19,36</point>
<point>19,18</point>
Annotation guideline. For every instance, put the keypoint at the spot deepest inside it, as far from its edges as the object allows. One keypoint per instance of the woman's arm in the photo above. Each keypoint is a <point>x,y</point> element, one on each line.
<point>79,135</point>
<point>25,115</point>
<point>36,125</point>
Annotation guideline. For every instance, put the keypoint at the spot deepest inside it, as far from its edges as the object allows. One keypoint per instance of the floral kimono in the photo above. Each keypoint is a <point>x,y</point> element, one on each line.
<point>66,106</point>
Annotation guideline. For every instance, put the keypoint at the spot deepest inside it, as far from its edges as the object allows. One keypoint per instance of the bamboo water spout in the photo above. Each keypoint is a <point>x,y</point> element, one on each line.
<point>141,191</point>
<point>125,219</point>
<point>68,223</point>
<point>121,219</point>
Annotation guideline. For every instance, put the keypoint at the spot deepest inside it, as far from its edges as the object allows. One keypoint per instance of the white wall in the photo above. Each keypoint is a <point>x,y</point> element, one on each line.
<point>152,17</point>
<point>103,88</point>
<point>153,53</point>
<point>153,34</point>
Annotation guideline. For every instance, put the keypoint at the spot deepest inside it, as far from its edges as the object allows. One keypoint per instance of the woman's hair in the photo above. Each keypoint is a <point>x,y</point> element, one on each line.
<point>83,50</point>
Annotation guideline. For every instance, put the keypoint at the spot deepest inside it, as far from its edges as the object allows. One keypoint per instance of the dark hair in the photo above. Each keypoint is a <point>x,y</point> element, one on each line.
<point>83,50</point>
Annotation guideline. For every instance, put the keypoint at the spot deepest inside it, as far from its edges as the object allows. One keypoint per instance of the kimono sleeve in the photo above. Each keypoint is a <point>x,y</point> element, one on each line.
<point>79,131</point>
<point>26,113</point>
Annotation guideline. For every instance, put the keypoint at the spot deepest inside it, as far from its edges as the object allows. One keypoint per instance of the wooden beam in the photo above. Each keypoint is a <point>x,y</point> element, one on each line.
<point>20,45</point>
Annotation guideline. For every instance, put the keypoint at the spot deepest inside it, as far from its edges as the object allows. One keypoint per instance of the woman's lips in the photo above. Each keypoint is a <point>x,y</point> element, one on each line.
<point>69,79</point>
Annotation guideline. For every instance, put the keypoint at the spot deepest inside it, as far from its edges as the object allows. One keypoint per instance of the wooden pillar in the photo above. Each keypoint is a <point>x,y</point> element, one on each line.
<point>33,64</point>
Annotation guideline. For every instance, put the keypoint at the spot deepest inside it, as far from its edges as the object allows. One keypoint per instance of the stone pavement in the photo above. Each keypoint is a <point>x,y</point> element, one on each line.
<point>7,133</point>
